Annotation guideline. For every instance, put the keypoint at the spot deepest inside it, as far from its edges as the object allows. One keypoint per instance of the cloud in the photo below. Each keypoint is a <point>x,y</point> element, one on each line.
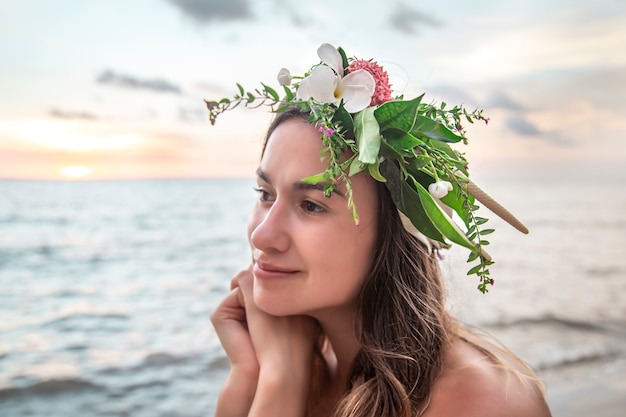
<point>498,99</point>
<point>192,115</point>
<point>408,21</point>
<point>602,86</point>
<point>64,114</point>
<point>522,126</point>
<point>128,81</point>
<point>525,128</point>
<point>450,94</point>
<point>293,16</point>
<point>204,11</point>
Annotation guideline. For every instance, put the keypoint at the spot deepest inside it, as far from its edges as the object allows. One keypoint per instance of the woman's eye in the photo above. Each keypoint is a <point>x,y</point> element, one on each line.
<point>263,195</point>
<point>311,207</point>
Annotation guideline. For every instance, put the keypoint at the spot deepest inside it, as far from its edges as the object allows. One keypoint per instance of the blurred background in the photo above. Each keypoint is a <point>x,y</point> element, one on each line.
<point>123,212</point>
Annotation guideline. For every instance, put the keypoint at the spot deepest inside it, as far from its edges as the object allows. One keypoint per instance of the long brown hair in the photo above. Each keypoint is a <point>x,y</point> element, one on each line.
<point>402,324</point>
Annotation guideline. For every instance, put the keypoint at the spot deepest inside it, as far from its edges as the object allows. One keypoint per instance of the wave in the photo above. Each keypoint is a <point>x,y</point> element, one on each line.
<point>605,272</point>
<point>48,387</point>
<point>64,320</point>
<point>36,219</point>
<point>552,342</point>
<point>555,321</point>
<point>160,359</point>
<point>109,380</point>
<point>579,359</point>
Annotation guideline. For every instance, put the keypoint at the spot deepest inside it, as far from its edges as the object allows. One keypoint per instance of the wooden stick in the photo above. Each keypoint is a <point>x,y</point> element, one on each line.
<point>495,207</point>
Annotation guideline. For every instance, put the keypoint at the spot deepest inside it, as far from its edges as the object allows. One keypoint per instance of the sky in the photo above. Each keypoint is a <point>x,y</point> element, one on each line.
<point>114,89</point>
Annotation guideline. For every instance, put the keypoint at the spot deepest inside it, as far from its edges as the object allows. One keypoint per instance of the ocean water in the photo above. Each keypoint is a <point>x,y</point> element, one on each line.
<point>106,288</point>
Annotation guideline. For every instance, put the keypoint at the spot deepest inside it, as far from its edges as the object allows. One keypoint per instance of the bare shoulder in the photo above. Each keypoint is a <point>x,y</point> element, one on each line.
<point>474,386</point>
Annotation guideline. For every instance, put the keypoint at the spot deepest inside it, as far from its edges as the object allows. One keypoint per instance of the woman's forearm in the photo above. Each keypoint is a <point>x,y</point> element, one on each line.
<point>237,394</point>
<point>281,393</point>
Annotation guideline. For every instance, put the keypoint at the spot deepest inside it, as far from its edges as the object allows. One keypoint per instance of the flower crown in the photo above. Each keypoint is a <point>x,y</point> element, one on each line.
<point>403,143</point>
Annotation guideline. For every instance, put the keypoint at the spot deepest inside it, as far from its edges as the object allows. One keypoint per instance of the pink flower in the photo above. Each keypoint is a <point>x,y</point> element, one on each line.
<point>382,92</point>
<point>326,131</point>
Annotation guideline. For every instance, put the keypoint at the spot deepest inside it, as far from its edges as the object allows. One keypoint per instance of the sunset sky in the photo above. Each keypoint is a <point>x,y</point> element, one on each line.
<point>114,89</point>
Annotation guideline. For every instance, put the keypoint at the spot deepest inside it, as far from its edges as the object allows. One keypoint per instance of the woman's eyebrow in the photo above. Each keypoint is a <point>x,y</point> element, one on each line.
<point>300,185</point>
<point>263,175</point>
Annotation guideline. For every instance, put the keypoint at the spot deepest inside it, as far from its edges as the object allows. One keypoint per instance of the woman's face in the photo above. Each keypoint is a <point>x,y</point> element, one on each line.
<point>309,255</point>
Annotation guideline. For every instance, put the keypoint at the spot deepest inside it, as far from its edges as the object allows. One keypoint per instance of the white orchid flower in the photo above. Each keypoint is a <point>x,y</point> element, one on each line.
<point>284,77</point>
<point>326,83</point>
<point>439,189</point>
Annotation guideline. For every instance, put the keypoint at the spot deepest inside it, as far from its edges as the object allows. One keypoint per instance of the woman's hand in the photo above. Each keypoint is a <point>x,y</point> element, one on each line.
<point>284,349</point>
<point>229,320</point>
<point>270,356</point>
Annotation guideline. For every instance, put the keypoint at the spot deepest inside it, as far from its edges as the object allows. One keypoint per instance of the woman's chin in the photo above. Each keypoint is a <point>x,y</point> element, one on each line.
<point>276,307</point>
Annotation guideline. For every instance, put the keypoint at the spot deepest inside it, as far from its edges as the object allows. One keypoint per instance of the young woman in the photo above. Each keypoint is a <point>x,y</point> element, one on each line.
<point>337,317</point>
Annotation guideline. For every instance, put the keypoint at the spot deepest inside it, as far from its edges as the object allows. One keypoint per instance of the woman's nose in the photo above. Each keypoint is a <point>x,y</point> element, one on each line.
<point>269,228</point>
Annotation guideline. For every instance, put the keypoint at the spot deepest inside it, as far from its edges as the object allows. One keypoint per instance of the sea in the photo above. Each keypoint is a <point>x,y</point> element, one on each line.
<point>106,288</point>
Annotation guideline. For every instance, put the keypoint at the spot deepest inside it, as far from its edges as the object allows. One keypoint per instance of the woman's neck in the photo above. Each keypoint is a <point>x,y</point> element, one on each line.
<point>340,330</point>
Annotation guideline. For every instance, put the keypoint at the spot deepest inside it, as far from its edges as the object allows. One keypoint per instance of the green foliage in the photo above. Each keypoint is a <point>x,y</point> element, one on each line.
<point>404,143</point>
<point>367,135</point>
<point>398,114</point>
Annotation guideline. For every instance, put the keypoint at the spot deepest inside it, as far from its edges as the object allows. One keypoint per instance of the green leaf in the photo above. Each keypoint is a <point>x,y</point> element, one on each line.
<point>401,140</point>
<point>407,201</point>
<point>271,92</point>
<point>457,204</point>
<point>398,114</point>
<point>417,163</point>
<point>475,269</point>
<point>486,232</point>
<point>342,116</point>
<point>356,166</point>
<point>388,152</point>
<point>314,179</point>
<point>288,93</point>
<point>240,87</point>
<point>425,126</point>
<point>441,220</point>
<point>344,60</point>
<point>374,170</point>
<point>445,148</point>
<point>367,135</point>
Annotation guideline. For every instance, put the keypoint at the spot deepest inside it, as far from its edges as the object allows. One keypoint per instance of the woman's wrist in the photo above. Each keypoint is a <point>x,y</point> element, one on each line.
<point>237,392</point>
<point>281,391</point>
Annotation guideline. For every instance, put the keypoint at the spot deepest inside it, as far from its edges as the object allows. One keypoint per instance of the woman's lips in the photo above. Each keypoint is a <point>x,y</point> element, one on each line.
<point>264,270</point>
